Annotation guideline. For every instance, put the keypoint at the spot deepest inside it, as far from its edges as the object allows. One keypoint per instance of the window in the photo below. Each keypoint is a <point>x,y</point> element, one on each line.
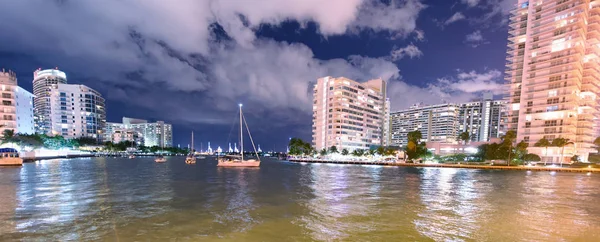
<point>6,95</point>
<point>552,108</point>
<point>552,93</point>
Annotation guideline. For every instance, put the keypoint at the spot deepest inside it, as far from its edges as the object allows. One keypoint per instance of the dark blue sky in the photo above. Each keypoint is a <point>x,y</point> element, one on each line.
<point>190,64</point>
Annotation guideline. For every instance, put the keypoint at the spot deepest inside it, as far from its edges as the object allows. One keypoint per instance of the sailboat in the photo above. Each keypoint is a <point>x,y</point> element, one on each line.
<point>235,160</point>
<point>191,159</point>
<point>201,157</point>
<point>132,156</point>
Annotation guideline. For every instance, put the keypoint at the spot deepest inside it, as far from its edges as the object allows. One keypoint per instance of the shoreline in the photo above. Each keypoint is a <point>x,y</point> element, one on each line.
<point>480,167</point>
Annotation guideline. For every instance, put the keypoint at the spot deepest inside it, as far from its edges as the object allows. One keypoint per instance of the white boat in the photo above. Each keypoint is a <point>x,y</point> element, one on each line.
<point>10,157</point>
<point>238,161</point>
<point>132,156</point>
<point>160,159</point>
<point>191,159</point>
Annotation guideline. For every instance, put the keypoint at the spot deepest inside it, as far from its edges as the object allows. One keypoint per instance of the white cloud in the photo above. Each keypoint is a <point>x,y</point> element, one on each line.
<point>475,39</point>
<point>455,17</point>
<point>410,50</point>
<point>473,82</point>
<point>470,3</point>
<point>171,50</point>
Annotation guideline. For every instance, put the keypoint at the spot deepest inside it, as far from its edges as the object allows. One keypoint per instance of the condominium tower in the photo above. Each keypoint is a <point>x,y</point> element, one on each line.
<point>348,114</point>
<point>444,122</point>
<point>16,105</point>
<point>43,82</point>
<point>143,132</point>
<point>552,74</point>
<point>76,111</point>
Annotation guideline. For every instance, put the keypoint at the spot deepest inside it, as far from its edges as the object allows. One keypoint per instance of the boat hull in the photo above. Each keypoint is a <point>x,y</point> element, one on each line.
<point>190,161</point>
<point>234,163</point>
<point>160,160</point>
<point>11,161</point>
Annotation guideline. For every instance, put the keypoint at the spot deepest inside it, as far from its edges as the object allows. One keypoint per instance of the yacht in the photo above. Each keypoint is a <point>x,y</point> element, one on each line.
<point>191,159</point>
<point>10,157</point>
<point>235,160</point>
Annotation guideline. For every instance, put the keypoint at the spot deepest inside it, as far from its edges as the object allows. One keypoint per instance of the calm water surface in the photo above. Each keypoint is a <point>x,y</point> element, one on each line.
<point>116,199</point>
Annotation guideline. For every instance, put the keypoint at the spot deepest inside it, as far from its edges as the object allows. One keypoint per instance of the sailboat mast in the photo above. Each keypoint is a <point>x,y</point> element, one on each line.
<point>241,134</point>
<point>192,150</point>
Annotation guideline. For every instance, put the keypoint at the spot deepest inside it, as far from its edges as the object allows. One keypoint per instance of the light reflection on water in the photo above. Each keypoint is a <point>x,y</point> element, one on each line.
<point>121,199</point>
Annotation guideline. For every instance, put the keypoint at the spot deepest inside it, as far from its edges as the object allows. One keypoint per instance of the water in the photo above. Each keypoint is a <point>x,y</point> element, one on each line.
<point>117,199</point>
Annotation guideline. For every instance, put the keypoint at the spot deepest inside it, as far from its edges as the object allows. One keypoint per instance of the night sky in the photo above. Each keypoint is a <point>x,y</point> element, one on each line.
<point>190,62</point>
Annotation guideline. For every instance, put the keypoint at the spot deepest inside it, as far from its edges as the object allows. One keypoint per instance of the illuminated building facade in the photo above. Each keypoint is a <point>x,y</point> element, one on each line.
<point>443,123</point>
<point>552,74</point>
<point>76,111</point>
<point>348,114</point>
<point>43,83</point>
<point>143,132</point>
<point>16,105</point>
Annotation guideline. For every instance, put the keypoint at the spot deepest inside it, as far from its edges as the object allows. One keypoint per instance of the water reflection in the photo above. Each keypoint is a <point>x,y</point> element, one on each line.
<point>453,209</point>
<point>140,200</point>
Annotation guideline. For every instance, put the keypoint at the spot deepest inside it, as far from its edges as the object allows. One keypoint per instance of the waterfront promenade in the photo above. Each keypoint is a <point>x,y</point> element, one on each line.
<point>437,165</point>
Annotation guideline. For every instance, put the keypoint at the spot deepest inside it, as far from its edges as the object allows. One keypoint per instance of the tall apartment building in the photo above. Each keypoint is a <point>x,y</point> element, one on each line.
<point>43,82</point>
<point>76,111</point>
<point>444,122</point>
<point>348,114</point>
<point>16,107</point>
<point>149,134</point>
<point>437,123</point>
<point>552,74</point>
<point>483,120</point>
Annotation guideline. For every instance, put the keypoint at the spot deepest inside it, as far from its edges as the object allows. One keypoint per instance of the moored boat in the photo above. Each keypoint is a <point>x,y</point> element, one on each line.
<point>238,161</point>
<point>10,157</point>
<point>160,159</point>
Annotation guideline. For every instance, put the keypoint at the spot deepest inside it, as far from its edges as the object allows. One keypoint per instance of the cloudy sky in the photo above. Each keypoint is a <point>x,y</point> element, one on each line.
<point>189,62</point>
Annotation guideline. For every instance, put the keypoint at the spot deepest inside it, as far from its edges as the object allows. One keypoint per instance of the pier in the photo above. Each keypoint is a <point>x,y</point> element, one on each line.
<point>464,166</point>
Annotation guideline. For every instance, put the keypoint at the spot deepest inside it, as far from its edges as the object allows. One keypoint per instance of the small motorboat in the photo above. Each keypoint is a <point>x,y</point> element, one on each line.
<point>190,159</point>
<point>160,159</point>
<point>131,156</point>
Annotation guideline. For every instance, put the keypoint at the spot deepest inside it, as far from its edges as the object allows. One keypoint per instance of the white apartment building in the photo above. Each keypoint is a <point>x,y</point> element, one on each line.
<point>437,123</point>
<point>43,83</point>
<point>483,120</point>
<point>17,105</point>
<point>348,114</point>
<point>76,111</point>
<point>443,123</point>
<point>149,134</point>
<point>552,74</point>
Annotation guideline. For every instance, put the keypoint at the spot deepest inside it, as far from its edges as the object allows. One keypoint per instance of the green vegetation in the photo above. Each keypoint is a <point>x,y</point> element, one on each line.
<point>465,137</point>
<point>298,147</point>
<point>414,149</point>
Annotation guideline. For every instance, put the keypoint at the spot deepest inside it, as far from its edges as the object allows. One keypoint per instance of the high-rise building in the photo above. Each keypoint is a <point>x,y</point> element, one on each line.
<point>437,123</point>
<point>43,82</point>
<point>149,134</point>
<point>16,107</point>
<point>76,111</point>
<point>348,114</point>
<point>552,74</point>
<point>483,120</point>
<point>443,123</point>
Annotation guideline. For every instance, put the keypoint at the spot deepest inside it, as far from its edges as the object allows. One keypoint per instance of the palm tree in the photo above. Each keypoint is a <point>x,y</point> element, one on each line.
<point>561,142</point>
<point>465,137</point>
<point>543,143</point>
<point>8,135</point>
<point>345,152</point>
<point>596,142</point>
<point>507,140</point>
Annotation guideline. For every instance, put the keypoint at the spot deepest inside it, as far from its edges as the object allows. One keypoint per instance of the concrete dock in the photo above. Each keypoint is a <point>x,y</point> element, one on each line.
<point>424,165</point>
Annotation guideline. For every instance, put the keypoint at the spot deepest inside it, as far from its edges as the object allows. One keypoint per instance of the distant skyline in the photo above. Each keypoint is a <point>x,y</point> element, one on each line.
<point>191,63</point>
